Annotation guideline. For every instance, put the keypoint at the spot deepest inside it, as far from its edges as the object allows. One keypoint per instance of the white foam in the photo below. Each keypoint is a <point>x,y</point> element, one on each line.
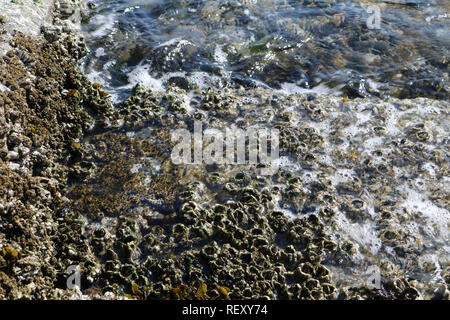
<point>372,144</point>
<point>168,42</point>
<point>285,162</point>
<point>438,218</point>
<point>321,89</point>
<point>205,80</point>
<point>430,167</point>
<point>3,88</point>
<point>100,52</point>
<point>364,234</point>
<point>131,9</point>
<point>136,168</point>
<point>276,199</point>
<point>141,75</point>
<point>104,25</point>
<point>343,175</point>
<point>219,55</point>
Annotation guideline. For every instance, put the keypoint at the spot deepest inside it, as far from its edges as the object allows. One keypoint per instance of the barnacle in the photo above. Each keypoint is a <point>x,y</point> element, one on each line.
<point>201,291</point>
<point>73,93</point>
<point>9,255</point>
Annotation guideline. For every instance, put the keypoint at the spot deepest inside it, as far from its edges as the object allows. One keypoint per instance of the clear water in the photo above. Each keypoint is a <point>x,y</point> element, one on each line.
<point>323,47</point>
<point>290,45</point>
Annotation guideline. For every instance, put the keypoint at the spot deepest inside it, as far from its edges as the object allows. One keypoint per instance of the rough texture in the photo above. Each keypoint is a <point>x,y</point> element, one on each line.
<point>87,184</point>
<point>223,231</point>
<point>44,104</point>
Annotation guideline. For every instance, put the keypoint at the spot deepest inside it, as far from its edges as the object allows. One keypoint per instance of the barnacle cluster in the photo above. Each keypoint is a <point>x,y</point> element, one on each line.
<point>360,183</point>
<point>343,199</point>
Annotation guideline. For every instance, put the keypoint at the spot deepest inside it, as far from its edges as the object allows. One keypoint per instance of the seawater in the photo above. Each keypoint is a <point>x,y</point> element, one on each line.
<point>323,47</point>
<point>313,47</point>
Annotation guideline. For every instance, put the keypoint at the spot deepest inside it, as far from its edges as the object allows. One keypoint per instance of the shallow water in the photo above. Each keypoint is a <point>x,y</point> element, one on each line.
<point>294,46</point>
<point>376,175</point>
<point>369,154</point>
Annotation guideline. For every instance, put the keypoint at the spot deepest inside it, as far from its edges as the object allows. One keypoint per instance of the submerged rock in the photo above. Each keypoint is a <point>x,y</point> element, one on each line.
<point>360,186</point>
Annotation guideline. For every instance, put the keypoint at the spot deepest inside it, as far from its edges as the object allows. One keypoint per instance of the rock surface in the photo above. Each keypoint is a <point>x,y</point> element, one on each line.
<point>90,185</point>
<point>44,101</point>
